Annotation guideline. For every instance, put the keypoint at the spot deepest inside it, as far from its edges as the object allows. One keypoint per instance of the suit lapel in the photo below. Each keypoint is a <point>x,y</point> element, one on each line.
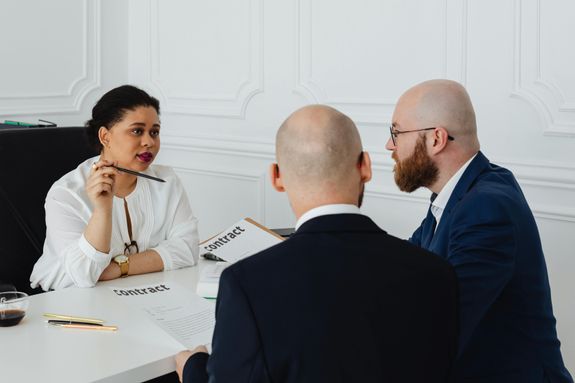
<point>428,226</point>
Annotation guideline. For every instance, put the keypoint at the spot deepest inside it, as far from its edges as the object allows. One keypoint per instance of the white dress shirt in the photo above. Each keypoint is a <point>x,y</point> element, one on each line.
<point>439,203</point>
<point>326,210</point>
<point>160,214</point>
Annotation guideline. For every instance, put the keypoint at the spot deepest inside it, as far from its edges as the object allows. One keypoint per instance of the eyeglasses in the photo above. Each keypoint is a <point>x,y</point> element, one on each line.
<point>394,133</point>
<point>131,248</point>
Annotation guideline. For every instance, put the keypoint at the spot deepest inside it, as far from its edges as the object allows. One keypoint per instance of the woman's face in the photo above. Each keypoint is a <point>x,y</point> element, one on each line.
<point>133,142</point>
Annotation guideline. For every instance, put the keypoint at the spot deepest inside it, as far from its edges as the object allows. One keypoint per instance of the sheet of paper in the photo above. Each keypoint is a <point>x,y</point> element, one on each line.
<point>213,272</point>
<point>210,279</point>
<point>178,311</point>
<point>239,241</point>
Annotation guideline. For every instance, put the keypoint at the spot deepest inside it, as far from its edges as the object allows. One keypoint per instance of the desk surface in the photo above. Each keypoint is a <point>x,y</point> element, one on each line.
<point>34,351</point>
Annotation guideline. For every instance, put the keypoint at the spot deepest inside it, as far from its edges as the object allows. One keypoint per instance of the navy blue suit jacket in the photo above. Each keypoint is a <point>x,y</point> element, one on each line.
<point>488,233</point>
<point>339,301</point>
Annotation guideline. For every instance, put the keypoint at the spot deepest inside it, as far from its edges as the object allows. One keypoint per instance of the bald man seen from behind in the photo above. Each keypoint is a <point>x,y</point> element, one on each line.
<point>481,223</point>
<point>340,300</point>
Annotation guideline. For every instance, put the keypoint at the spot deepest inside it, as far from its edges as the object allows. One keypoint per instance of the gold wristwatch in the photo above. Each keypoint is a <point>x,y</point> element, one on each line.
<point>124,262</point>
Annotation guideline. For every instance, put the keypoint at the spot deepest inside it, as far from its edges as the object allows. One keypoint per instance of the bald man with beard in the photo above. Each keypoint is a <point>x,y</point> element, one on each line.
<point>340,300</point>
<point>481,223</point>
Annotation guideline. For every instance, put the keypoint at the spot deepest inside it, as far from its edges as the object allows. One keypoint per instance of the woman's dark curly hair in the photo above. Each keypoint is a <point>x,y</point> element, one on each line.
<point>112,107</point>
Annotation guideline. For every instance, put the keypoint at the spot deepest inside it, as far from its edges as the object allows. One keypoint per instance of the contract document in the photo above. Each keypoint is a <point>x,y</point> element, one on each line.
<point>178,311</point>
<point>240,240</point>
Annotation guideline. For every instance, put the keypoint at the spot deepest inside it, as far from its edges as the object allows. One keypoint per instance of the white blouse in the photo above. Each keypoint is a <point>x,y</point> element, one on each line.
<point>161,217</point>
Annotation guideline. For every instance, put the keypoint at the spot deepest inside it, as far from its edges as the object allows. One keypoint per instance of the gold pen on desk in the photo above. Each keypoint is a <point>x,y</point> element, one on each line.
<point>73,319</point>
<point>87,326</point>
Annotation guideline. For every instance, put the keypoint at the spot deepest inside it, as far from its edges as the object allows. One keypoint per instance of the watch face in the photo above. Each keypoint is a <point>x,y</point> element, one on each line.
<point>120,258</point>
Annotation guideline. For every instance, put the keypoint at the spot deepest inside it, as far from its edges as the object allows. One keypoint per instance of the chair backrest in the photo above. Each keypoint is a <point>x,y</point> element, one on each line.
<point>31,160</point>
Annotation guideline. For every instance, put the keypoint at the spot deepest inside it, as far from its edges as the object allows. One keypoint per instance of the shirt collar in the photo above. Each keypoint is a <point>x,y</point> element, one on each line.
<point>326,210</point>
<point>442,198</point>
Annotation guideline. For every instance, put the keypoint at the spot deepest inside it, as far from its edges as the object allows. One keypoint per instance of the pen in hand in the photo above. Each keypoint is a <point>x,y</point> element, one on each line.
<point>137,173</point>
<point>130,171</point>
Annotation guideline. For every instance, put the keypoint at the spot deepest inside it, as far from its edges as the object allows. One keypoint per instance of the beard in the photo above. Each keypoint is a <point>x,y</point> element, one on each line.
<point>415,171</point>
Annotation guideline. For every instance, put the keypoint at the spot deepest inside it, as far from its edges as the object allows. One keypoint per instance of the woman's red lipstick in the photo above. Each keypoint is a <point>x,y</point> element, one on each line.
<point>145,157</point>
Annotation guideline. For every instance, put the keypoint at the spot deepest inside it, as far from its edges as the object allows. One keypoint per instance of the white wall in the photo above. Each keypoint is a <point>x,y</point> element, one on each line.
<point>228,72</point>
<point>59,56</point>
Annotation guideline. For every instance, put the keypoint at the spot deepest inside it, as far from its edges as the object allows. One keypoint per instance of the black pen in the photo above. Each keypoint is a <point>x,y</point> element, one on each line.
<point>58,322</point>
<point>212,257</point>
<point>137,173</point>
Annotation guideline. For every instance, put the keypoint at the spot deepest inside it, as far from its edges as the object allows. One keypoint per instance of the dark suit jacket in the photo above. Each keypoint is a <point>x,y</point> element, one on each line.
<point>340,301</point>
<point>488,233</point>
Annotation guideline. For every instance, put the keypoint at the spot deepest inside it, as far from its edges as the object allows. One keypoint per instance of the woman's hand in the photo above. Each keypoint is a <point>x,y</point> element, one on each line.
<point>100,191</point>
<point>112,271</point>
<point>100,184</point>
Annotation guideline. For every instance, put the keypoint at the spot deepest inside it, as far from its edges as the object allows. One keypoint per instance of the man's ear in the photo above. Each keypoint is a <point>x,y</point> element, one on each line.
<point>103,136</point>
<point>364,165</point>
<point>440,139</point>
<point>275,177</point>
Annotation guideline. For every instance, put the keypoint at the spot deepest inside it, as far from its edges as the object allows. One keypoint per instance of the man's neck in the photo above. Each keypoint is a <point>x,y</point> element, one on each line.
<point>329,209</point>
<point>454,165</point>
<point>300,208</point>
<point>447,169</point>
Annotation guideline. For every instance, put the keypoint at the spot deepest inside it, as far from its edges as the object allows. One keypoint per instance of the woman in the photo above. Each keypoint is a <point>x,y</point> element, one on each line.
<point>102,223</point>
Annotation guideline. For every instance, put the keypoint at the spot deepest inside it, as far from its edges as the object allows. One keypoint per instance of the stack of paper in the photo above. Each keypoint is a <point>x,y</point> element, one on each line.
<point>210,279</point>
<point>242,239</point>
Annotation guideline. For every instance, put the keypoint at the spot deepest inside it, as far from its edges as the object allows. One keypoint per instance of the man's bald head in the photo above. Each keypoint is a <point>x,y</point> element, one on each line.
<point>318,145</point>
<point>442,103</point>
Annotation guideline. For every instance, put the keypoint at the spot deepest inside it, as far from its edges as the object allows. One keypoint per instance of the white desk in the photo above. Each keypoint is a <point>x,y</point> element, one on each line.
<point>35,351</point>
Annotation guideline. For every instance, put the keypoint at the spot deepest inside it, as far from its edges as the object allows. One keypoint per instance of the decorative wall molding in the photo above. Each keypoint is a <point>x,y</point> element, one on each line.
<point>258,178</point>
<point>222,105</point>
<point>221,145</point>
<point>552,213</point>
<point>377,111</point>
<point>540,211</point>
<point>555,180</point>
<point>537,173</point>
<point>548,174</point>
<point>403,197</point>
<point>530,84</point>
<point>71,100</point>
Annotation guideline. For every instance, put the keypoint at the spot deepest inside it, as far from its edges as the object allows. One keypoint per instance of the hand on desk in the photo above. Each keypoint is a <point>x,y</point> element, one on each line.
<point>183,357</point>
<point>112,271</point>
<point>148,261</point>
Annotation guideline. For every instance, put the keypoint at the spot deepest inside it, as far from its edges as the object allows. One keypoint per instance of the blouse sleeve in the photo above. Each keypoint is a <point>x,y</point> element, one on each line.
<point>68,258</point>
<point>181,246</point>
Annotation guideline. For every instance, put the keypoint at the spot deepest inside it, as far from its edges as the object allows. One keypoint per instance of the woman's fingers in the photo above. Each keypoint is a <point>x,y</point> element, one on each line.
<point>103,165</point>
<point>104,169</point>
<point>101,180</point>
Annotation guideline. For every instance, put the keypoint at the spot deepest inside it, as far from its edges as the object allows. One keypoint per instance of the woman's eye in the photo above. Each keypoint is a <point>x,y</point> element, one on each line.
<point>155,133</point>
<point>137,131</point>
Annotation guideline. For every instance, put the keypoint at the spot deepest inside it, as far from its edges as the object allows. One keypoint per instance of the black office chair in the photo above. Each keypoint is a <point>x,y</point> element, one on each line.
<point>31,160</point>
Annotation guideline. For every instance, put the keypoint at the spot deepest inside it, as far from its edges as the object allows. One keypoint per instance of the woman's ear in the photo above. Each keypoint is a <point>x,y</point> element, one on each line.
<point>275,177</point>
<point>104,136</point>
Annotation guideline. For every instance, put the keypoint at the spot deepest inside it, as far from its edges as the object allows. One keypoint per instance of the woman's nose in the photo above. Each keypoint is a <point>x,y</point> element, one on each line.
<point>147,141</point>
